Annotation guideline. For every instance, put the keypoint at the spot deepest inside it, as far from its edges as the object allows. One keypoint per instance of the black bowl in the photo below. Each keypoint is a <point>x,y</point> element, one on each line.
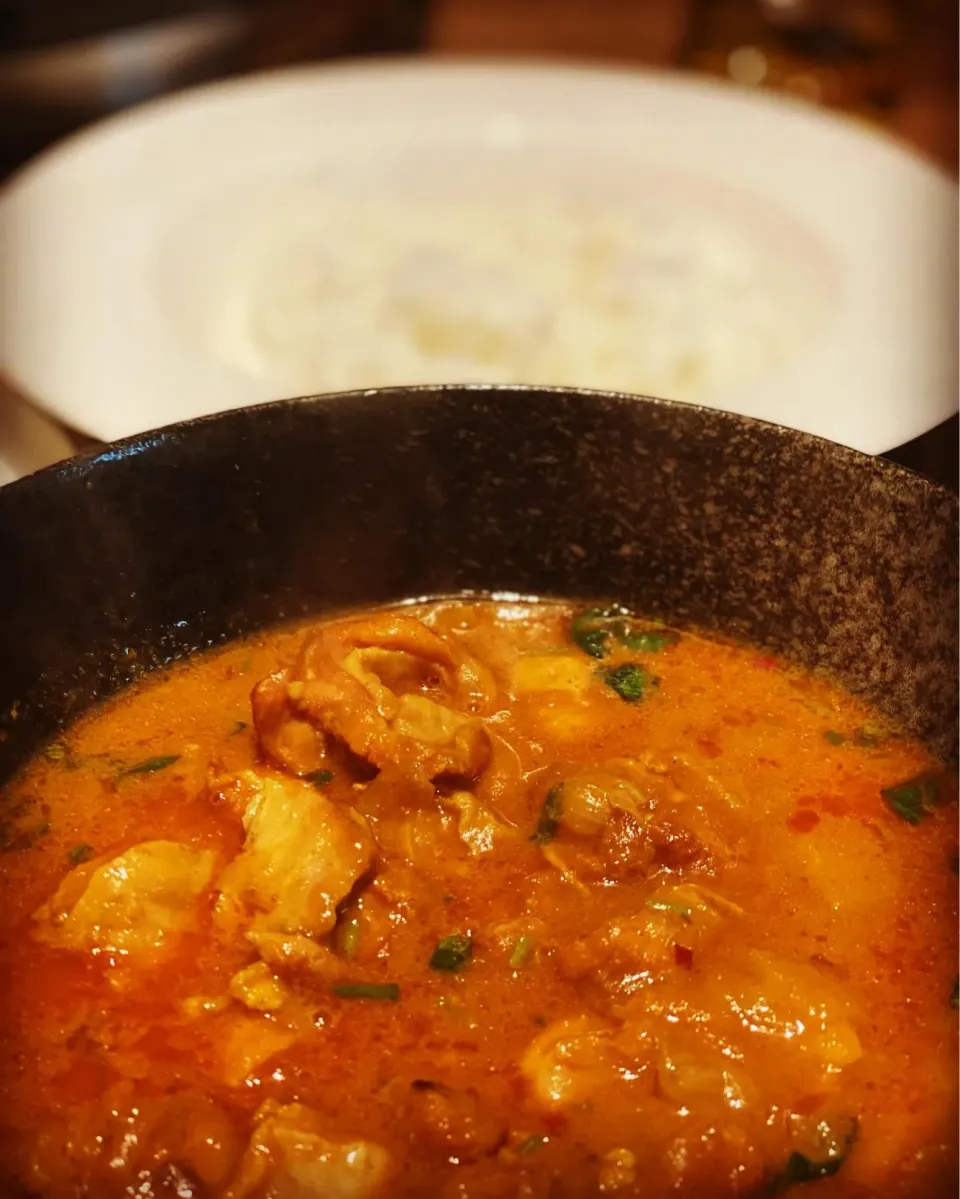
<point>177,540</point>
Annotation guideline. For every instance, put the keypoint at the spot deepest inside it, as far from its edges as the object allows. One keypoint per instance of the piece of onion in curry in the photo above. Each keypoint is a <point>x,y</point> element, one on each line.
<point>478,899</point>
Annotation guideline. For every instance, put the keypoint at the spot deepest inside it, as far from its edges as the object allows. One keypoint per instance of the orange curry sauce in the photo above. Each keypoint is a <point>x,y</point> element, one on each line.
<point>480,899</point>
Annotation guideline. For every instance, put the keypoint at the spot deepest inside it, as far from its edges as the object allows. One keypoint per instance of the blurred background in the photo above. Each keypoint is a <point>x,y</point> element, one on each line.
<point>64,63</point>
<point>889,63</point>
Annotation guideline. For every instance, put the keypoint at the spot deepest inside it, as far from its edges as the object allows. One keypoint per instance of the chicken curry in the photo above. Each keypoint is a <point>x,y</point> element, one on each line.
<point>476,899</point>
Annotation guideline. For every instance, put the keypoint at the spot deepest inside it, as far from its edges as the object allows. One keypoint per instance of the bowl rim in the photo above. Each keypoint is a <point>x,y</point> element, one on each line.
<point>99,455</point>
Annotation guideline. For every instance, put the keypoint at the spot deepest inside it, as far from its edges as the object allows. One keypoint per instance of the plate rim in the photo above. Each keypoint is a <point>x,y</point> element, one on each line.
<point>427,72</point>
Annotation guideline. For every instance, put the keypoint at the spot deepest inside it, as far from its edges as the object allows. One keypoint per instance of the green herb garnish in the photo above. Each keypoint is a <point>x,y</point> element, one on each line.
<point>591,631</point>
<point>678,909</point>
<point>319,778</point>
<point>550,813</point>
<point>452,953</point>
<point>915,798</point>
<point>630,681</point>
<point>648,641</point>
<point>390,992</point>
<point>521,953</point>
<point>150,765</point>
<point>56,752</point>
<point>238,728</point>
<point>588,630</point>
<point>80,853</point>
<point>869,737</point>
<point>530,1145</point>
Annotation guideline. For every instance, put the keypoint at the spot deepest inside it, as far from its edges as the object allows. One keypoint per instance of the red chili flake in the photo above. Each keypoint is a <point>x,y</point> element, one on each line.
<point>835,805</point>
<point>766,662</point>
<point>803,820</point>
<point>683,956</point>
<point>555,1123</point>
<point>708,747</point>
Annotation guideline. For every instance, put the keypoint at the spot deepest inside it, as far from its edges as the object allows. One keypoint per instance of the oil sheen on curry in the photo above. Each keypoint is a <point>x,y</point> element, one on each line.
<point>475,899</point>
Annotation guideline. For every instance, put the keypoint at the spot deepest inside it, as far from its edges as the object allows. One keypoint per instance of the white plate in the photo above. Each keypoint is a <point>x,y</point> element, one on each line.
<point>124,251</point>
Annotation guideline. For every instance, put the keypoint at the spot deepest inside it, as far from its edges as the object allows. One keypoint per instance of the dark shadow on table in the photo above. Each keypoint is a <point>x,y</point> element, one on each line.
<point>935,454</point>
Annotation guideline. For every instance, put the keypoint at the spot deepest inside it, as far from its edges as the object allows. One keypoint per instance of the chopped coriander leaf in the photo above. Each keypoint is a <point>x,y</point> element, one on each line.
<point>588,632</point>
<point>591,631</point>
<point>914,798</point>
<point>531,1144</point>
<point>390,992</point>
<point>647,641</point>
<point>80,853</point>
<point>238,727</point>
<point>452,953</point>
<point>630,681</point>
<point>319,778</point>
<point>550,814</point>
<point>678,909</point>
<point>55,752</point>
<point>833,737</point>
<point>521,953</point>
<point>150,765</point>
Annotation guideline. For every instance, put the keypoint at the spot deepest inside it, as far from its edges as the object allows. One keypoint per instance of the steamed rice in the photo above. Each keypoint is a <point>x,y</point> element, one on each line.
<point>374,293</point>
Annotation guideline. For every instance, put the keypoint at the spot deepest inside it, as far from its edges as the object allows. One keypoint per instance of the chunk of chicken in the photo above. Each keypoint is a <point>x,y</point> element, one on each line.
<point>570,1059</point>
<point>449,1120</point>
<point>602,821</point>
<point>481,830</point>
<point>257,988</point>
<point>591,797</point>
<point>133,904</point>
<point>301,856</point>
<point>138,1142</point>
<point>692,1072</point>
<point>294,952</point>
<point>796,1008</point>
<point>388,687</point>
<point>552,672</point>
<point>468,683</point>
<point>291,742</point>
<point>625,954</point>
<point>289,1158</point>
<point>248,1041</point>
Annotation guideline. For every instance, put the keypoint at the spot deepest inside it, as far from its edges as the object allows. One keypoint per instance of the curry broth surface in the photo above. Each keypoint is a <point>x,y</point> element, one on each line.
<point>708,956</point>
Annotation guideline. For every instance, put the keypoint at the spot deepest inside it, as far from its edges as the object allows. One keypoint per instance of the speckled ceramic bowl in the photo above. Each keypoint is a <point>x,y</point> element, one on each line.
<point>120,561</point>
